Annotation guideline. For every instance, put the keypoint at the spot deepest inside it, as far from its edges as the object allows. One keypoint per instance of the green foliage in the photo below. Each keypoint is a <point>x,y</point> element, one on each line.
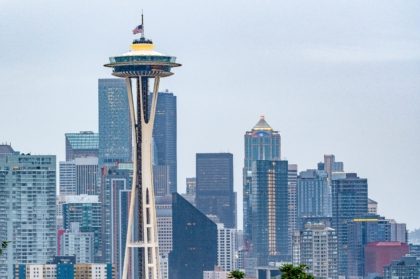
<point>3,246</point>
<point>236,274</point>
<point>289,271</point>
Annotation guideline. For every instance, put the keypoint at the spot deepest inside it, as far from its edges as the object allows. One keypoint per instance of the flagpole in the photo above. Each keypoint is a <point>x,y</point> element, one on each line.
<point>142,24</point>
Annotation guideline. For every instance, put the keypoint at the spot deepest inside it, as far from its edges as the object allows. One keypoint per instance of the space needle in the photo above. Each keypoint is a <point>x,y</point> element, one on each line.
<point>138,67</point>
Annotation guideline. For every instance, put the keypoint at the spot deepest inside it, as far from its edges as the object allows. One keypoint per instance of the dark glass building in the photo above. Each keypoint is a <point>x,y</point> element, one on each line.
<point>349,201</point>
<point>194,241</point>
<point>214,190</point>
<point>261,143</point>
<point>269,211</point>
<point>114,122</point>
<point>164,136</point>
<point>313,195</point>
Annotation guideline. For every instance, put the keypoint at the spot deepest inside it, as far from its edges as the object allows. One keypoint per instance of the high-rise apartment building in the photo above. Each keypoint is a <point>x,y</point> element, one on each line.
<point>194,241</point>
<point>349,201</point>
<point>270,211</point>
<point>214,192</point>
<point>82,144</point>
<point>165,136</point>
<point>313,195</point>
<point>226,248</point>
<point>261,143</point>
<point>27,208</point>
<point>164,223</point>
<point>317,247</point>
<point>86,211</point>
<point>114,122</point>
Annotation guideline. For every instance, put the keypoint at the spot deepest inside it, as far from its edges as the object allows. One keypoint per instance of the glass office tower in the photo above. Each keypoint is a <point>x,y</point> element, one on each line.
<point>165,136</point>
<point>114,122</point>
<point>349,201</point>
<point>261,143</point>
<point>214,191</point>
<point>270,211</point>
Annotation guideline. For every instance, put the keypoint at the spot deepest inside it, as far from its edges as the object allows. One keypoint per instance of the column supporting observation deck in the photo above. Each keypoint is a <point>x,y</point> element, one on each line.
<point>142,237</point>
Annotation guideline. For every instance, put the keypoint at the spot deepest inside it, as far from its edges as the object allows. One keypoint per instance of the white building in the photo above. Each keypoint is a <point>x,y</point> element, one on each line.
<point>217,273</point>
<point>79,244</point>
<point>317,247</point>
<point>226,243</point>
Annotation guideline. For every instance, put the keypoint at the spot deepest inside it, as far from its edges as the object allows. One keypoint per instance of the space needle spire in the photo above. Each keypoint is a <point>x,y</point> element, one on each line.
<point>138,67</point>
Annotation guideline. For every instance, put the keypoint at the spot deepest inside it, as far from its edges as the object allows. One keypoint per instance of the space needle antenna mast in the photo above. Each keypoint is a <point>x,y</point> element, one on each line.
<point>138,66</point>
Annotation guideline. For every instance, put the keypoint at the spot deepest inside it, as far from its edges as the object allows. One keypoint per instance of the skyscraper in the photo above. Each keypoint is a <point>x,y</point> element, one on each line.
<point>349,201</point>
<point>164,135</point>
<point>114,122</point>
<point>82,144</point>
<point>214,192</point>
<point>137,67</point>
<point>313,194</point>
<point>261,143</point>
<point>291,202</point>
<point>194,241</point>
<point>270,211</point>
<point>27,208</point>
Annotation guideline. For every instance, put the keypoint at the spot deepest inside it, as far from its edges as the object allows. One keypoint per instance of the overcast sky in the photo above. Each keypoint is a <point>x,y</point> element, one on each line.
<point>334,77</point>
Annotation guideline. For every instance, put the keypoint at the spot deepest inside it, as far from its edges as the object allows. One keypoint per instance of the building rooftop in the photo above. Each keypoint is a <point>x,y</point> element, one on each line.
<point>83,140</point>
<point>262,125</point>
<point>6,149</point>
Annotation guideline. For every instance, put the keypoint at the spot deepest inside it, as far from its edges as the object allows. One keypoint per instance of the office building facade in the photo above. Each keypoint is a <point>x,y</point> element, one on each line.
<point>165,136</point>
<point>313,194</point>
<point>270,211</point>
<point>214,192</point>
<point>114,122</point>
<point>349,201</point>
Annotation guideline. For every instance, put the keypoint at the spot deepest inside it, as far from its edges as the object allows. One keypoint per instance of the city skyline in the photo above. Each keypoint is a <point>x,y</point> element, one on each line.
<point>370,116</point>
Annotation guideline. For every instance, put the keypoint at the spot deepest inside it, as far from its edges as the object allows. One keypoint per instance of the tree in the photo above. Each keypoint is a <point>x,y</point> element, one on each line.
<point>289,271</point>
<point>236,274</point>
<point>3,246</point>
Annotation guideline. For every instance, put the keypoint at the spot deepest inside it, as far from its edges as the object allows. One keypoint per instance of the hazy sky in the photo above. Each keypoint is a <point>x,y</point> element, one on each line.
<point>334,77</point>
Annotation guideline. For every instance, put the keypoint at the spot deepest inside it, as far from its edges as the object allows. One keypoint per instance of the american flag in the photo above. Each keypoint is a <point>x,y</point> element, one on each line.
<point>138,29</point>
